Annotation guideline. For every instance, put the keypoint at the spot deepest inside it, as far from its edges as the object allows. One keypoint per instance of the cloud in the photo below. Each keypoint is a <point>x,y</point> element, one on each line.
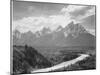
<point>89,22</point>
<point>90,12</point>
<point>67,14</point>
<point>29,23</point>
<point>72,8</point>
<point>78,13</point>
<point>37,23</point>
<point>92,31</point>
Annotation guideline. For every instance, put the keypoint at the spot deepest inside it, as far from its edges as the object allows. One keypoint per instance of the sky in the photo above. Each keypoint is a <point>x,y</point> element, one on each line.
<point>33,16</point>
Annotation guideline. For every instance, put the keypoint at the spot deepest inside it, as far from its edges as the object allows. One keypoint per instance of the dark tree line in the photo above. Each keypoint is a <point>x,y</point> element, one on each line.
<point>27,58</point>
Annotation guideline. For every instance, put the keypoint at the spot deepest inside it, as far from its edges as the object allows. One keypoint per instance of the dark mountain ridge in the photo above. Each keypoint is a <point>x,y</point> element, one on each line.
<point>71,35</point>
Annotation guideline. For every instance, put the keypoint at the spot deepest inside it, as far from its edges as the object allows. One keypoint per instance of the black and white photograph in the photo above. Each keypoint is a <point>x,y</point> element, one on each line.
<point>52,37</point>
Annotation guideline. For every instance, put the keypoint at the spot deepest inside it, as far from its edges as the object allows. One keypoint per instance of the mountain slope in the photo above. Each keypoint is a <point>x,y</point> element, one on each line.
<point>26,58</point>
<point>84,39</point>
<point>71,35</point>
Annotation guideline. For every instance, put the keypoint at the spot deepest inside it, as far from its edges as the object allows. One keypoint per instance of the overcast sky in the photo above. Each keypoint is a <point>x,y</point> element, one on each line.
<point>34,16</point>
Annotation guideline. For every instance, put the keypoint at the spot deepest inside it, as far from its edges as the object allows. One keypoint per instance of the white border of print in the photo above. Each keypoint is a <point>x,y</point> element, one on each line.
<point>5,36</point>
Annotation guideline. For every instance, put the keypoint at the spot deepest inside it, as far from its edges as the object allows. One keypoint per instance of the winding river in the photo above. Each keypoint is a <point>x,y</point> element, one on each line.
<point>63,64</point>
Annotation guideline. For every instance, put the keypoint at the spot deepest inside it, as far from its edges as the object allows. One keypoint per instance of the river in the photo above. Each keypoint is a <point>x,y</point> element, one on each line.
<point>63,64</point>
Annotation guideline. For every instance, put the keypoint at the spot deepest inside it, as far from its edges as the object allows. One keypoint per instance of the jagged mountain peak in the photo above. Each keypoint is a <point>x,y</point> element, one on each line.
<point>71,23</point>
<point>29,33</point>
<point>38,33</point>
<point>16,33</point>
<point>75,28</point>
<point>59,28</point>
<point>72,34</point>
<point>45,30</point>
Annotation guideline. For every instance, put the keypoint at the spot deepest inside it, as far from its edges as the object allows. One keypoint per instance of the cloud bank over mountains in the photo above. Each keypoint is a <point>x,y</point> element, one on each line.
<point>60,16</point>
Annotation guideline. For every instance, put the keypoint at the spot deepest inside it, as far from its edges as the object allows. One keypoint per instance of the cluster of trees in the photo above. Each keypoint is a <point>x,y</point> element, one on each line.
<point>87,64</point>
<point>26,58</point>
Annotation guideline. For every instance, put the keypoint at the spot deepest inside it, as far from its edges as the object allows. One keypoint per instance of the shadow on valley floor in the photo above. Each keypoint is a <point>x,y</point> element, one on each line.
<point>26,59</point>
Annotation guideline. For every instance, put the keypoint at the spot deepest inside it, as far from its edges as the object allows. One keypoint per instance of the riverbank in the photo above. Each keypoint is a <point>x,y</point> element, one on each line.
<point>62,65</point>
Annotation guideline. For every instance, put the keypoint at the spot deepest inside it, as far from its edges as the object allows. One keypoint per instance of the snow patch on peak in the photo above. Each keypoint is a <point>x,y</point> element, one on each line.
<point>65,33</point>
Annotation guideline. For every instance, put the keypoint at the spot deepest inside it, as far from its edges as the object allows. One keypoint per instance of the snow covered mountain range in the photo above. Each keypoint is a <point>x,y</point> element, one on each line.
<point>71,35</point>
